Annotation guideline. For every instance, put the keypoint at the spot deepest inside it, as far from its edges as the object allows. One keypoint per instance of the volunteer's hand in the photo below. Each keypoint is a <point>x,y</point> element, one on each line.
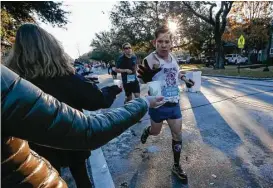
<point>155,101</point>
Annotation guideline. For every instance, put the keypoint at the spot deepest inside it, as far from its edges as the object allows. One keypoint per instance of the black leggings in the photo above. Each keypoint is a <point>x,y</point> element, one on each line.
<point>79,174</point>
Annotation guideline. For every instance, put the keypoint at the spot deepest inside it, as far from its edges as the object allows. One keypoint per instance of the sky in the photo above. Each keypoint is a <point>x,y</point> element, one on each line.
<point>85,19</point>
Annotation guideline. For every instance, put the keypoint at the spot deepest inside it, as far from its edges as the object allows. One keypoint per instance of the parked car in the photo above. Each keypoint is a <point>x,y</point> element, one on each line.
<point>180,60</point>
<point>209,61</point>
<point>184,60</point>
<point>235,59</point>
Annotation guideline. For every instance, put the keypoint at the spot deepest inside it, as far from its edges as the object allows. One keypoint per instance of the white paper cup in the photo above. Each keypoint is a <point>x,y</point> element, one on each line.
<point>155,88</point>
<point>118,83</point>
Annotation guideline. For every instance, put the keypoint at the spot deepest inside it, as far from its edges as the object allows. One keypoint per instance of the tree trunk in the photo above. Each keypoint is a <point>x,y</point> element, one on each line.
<point>219,52</point>
<point>269,43</point>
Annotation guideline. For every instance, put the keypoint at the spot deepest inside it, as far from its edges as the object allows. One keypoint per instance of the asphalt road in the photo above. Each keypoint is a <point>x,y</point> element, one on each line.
<point>227,140</point>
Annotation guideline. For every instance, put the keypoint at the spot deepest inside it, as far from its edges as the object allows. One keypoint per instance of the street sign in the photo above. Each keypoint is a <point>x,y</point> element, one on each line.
<point>241,42</point>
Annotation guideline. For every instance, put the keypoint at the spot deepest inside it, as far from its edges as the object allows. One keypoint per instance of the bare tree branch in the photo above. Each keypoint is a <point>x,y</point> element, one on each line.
<point>198,15</point>
<point>209,3</point>
<point>228,6</point>
<point>210,14</point>
<point>217,16</point>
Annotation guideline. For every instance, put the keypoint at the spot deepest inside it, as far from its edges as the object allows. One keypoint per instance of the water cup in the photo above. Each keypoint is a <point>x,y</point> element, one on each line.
<point>155,88</point>
<point>118,83</point>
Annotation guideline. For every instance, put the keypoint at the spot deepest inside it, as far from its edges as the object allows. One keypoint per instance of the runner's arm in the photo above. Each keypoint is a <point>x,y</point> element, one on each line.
<point>118,69</point>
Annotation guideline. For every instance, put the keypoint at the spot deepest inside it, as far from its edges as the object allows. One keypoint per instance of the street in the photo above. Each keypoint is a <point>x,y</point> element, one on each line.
<point>227,139</point>
<point>227,125</point>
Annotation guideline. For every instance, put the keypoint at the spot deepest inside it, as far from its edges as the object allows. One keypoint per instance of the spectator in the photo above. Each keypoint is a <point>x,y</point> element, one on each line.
<point>28,113</point>
<point>38,57</point>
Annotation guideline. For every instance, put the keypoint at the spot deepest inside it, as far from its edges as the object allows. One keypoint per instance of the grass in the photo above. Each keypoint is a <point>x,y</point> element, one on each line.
<point>230,70</point>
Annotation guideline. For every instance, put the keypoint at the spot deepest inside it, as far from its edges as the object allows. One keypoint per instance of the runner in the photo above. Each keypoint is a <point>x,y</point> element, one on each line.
<point>111,70</point>
<point>162,66</point>
<point>126,65</point>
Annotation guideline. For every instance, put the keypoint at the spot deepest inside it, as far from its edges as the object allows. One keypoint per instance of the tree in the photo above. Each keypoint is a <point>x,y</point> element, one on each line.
<point>188,30</point>
<point>15,13</point>
<point>106,46</point>
<point>251,19</point>
<point>137,21</point>
<point>85,58</point>
<point>204,11</point>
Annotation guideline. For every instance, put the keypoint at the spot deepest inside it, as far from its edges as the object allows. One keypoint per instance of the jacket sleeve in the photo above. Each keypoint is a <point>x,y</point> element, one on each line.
<point>30,114</point>
<point>91,97</point>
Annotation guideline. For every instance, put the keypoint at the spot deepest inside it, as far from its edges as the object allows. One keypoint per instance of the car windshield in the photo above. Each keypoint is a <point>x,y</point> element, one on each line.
<point>228,55</point>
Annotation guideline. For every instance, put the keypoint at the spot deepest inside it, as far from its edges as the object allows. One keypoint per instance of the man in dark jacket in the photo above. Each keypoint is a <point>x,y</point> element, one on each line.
<point>28,113</point>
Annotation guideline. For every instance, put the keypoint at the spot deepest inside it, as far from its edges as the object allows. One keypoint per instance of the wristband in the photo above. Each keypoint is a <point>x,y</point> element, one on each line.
<point>182,77</point>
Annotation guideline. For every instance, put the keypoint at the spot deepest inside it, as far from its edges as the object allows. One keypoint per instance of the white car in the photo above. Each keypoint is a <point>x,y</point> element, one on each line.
<point>184,60</point>
<point>235,59</point>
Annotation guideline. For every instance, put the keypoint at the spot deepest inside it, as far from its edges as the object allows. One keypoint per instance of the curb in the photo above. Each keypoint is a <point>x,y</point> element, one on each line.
<point>101,175</point>
<point>237,77</point>
<point>99,169</point>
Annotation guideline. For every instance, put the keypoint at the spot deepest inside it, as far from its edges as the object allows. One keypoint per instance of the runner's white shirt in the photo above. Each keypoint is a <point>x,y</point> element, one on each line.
<point>168,76</point>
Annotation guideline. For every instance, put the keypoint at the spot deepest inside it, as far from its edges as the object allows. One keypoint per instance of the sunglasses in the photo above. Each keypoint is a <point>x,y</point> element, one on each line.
<point>127,48</point>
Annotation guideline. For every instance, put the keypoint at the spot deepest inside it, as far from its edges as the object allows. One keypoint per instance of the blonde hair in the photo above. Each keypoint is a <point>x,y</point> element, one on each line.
<point>36,53</point>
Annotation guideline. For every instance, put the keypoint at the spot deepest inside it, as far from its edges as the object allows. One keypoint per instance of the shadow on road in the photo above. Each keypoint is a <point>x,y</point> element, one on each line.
<point>216,132</point>
<point>254,91</point>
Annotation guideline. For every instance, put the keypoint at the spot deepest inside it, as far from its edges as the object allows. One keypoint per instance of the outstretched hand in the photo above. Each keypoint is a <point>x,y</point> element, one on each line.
<point>155,101</point>
<point>145,73</point>
<point>116,89</point>
<point>113,90</point>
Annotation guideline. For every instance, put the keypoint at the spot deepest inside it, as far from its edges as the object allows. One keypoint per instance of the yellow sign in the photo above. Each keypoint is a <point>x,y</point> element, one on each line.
<point>241,42</point>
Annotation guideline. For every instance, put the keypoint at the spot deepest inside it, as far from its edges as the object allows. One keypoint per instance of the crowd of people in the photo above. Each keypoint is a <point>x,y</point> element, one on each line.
<point>43,96</point>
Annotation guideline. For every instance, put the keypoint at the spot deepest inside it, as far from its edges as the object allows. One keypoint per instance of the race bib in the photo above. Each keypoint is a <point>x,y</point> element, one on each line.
<point>131,78</point>
<point>170,91</point>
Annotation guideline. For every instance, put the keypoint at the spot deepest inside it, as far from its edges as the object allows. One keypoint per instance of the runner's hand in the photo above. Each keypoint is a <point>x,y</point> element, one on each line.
<point>145,73</point>
<point>189,83</point>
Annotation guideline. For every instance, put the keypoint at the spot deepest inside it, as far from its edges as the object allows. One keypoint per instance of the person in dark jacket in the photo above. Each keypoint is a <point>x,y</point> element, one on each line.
<point>38,57</point>
<point>30,114</point>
